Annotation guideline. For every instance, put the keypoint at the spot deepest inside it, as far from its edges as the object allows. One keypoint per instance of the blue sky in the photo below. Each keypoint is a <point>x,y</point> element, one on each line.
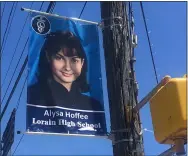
<point>167,26</point>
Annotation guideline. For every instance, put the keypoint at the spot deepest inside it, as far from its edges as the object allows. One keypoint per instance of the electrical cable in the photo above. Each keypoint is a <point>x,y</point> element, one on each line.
<point>16,48</point>
<point>134,124</point>
<point>9,98</point>
<point>23,67</point>
<point>127,104</point>
<point>142,8</point>
<point>18,102</point>
<point>9,19</point>
<point>3,10</point>
<point>18,143</point>
<point>41,6</point>
<point>49,9</point>
<point>136,119</point>
<point>17,64</point>
<point>7,27</point>
<point>82,9</point>
<point>133,99</point>
<point>52,7</point>
<point>17,80</point>
<point>6,105</point>
<point>15,70</point>
<point>13,89</point>
<point>18,105</point>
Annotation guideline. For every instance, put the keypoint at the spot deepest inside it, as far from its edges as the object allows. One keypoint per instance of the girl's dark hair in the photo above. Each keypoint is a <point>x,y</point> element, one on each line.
<point>54,42</point>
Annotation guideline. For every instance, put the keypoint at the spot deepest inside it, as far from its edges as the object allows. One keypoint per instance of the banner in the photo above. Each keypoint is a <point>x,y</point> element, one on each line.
<point>64,93</point>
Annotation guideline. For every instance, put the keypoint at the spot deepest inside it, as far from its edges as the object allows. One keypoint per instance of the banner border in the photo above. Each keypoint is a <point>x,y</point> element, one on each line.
<point>64,108</point>
<point>68,134</point>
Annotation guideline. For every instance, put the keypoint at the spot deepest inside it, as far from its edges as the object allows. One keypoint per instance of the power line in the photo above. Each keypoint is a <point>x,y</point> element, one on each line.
<point>3,46</point>
<point>149,41</point>
<point>15,70</point>
<point>23,66</point>
<point>18,143</point>
<point>41,6</point>
<point>7,27</point>
<point>22,51</point>
<point>13,89</point>
<point>18,103</point>
<point>25,81</point>
<point>16,48</point>
<point>18,64</point>
<point>3,10</point>
<point>134,122</point>
<point>9,19</point>
<point>82,9</point>
<point>51,7</point>
<point>19,76</point>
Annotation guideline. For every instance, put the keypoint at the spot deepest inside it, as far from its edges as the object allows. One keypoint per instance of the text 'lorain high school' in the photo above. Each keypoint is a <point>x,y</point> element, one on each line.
<point>65,123</point>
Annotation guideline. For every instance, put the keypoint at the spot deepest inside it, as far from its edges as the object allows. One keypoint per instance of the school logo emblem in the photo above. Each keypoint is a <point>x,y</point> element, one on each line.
<point>40,24</point>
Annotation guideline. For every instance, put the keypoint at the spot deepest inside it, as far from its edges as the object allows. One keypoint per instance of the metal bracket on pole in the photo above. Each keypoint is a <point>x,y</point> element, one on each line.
<point>111,136</point>
<point>178,148</point>
<point>168,152</point>
<point>163,82</point>
<point>58,16</point>
<point>114,142</point>
<point>116,20</point>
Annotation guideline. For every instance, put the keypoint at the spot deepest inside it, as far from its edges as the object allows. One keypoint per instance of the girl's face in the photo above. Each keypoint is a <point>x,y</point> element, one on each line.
<point>66,69</point>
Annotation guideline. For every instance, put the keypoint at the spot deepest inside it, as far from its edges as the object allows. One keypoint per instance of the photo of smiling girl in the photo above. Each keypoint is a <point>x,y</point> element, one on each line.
<point>61,75</point>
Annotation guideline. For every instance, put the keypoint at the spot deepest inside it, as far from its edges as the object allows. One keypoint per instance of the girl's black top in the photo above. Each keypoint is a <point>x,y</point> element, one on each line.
<point>53,93</point>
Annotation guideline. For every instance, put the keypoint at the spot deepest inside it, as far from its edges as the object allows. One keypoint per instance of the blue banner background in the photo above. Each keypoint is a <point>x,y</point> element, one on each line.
<point>88,35</point>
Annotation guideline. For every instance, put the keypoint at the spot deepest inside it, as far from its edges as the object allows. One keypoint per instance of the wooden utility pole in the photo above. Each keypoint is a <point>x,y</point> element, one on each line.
<point>122,91</point>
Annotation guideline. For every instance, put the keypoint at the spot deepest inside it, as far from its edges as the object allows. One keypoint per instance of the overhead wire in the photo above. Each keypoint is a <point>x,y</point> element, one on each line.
<point>50,10</point>
<point>13,89</point>
<point>41,6</point>
<point>51,7</point>
<point>17,106</point>
<point>15,70</point>
<point>132,98</point>
<point>82,9</point>
<point>12,58</point>
<point>135,124</point>
<point>24,65</point>
<point>3,46</point>
<point>145,24</point>
<point>17,64</point>
<point>17,80</point>
<point>126,41</point>
<point>18,103</point>
<point>18,143</point>
<point>9,17</point>
<point>6,28</point>
<point>3,9</point>
<point>19,76</point>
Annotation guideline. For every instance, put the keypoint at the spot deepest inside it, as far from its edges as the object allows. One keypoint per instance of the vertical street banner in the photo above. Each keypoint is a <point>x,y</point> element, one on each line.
<point>64,90</point>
